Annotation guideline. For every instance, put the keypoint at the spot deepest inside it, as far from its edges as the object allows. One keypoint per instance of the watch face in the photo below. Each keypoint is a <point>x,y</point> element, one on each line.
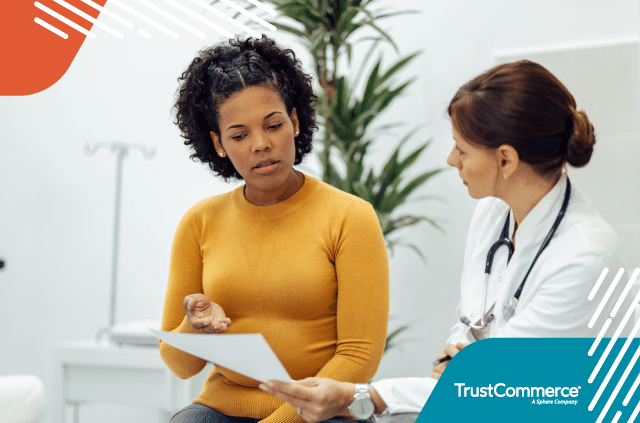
<point>362,408</point>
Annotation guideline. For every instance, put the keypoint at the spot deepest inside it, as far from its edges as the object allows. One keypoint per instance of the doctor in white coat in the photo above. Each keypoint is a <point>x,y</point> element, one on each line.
<point>515,128</point>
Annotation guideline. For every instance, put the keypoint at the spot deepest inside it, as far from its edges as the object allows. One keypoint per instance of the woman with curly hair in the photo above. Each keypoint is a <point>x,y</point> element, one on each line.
<point>284,255</point>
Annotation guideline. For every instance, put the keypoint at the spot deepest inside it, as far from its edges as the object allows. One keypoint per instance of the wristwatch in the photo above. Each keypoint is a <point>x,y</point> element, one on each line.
<point>362,407</point>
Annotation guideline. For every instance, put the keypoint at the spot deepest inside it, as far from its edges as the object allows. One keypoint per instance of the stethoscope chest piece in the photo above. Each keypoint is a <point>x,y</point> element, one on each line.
<point>509,308</point>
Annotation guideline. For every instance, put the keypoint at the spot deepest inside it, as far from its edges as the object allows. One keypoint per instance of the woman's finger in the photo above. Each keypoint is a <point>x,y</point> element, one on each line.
<point>186,302</point>
<point>199,323</point>
<point>276,387</point>
<point>224,323</point>
<point>293,400</point>
<point>451,350</point>
<point>293,391</point>
<point>438,370</point>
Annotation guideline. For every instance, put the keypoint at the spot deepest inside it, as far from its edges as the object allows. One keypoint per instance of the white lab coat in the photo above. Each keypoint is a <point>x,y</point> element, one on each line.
<point>554,300</point>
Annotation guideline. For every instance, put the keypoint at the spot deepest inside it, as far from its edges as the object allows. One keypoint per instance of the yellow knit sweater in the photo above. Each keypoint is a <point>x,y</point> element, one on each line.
<point>310,273</point>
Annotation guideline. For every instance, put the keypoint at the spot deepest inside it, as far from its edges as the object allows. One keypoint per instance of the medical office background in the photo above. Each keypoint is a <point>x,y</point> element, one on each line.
<point>56,203</point>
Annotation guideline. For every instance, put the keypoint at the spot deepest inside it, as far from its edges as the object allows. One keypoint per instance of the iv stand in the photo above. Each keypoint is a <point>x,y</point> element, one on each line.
<point>121,150</point>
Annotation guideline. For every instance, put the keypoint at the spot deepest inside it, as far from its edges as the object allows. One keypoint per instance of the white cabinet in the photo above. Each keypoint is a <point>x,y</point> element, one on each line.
<point>89,372</point>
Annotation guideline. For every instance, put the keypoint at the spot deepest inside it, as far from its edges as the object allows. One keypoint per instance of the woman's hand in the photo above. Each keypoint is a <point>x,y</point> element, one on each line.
<point>316,398</point>
<point>204,314</point>
<point>449,350</point>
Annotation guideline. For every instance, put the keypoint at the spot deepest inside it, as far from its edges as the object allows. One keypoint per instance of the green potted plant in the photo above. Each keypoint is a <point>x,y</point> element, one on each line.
<point>348,110</point>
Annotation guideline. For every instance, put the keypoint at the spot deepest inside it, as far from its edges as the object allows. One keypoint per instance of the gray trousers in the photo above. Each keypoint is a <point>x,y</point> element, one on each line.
<point>397,418</point>
<point>198,413</point>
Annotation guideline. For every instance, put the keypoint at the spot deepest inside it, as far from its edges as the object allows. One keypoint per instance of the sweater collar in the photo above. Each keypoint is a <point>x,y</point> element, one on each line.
<point>277,210</point>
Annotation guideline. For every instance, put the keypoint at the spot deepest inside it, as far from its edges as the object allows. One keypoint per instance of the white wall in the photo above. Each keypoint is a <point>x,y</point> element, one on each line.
<point>460,39</point>
<point>56,204</point>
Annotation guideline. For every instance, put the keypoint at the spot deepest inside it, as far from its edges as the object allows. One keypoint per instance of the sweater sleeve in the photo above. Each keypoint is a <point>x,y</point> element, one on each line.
<point>362,272</point>
<point>185,277</point>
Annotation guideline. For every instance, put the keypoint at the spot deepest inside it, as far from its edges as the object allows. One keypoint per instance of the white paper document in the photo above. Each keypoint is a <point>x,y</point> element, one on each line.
<point>248,354</point>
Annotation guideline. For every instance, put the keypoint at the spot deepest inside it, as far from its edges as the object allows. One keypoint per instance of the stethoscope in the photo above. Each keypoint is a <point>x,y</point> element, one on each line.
<point>509,307</point>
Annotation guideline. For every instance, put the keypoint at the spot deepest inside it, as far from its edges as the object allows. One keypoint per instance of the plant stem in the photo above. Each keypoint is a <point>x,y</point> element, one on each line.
<point>328,89</point>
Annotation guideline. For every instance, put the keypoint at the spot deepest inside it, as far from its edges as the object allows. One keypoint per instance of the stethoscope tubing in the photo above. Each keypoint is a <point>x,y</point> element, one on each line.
<point>505,241</point>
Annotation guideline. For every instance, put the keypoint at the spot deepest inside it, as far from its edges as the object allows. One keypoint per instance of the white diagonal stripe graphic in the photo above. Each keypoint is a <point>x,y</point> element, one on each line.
<point>172,18</point>
<point>616,417</point>
<point>145,18</point>
<point>262,6</point>
<point>624,294</point>
<point>633,387</point>
<point>632,391</point>
<point>51,28</point>
<point>144,33</point>
<point>634,414</point>
<point>244,28</point>
<point>249,15</point>
<point>615,337</point>
<point>210,9</point>
<point>108,13</point>
<point>65,20</point>
<point>606,297</point>
<point>595,344</point>
<point>613,368</point>
<point>598,283</point>
<point>621,382</point>
<point>89,18</point>
<point>200,18</point>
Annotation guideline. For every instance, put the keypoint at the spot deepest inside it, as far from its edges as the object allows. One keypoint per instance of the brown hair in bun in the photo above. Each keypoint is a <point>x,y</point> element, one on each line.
<point>523,105</point>
<point>581,142</point>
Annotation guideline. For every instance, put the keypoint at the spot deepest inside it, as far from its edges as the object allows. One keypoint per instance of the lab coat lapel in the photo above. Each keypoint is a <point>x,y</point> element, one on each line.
<point>529,237</point>
<point>501,269</point>
<point>473,279</point>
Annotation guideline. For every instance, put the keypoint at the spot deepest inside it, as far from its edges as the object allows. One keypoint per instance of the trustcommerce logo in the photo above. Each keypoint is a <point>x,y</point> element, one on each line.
<point>598,379</point>
<point>561,395</point>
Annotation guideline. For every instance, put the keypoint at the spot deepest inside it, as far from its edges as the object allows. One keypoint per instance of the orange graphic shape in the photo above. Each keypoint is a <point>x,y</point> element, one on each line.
<point>33,58</point>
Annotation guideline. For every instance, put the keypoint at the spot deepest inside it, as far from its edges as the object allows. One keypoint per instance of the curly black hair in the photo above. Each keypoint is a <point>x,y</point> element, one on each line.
<point>225,69</point>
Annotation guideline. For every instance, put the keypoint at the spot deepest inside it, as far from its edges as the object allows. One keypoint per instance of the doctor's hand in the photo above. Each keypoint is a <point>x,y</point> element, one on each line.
<point>449,350</point>
<point>204,314</point>
<point>316,398</point>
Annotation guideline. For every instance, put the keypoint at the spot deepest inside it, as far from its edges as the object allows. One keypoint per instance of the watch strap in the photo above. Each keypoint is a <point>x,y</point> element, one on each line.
<point>362,391</point>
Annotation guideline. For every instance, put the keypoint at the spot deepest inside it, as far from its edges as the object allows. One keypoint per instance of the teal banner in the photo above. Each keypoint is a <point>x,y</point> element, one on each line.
<point>539,380</point>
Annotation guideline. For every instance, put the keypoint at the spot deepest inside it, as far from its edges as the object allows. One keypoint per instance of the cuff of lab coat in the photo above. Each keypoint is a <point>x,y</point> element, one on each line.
<point>404,395</point>
<point>460,334</point>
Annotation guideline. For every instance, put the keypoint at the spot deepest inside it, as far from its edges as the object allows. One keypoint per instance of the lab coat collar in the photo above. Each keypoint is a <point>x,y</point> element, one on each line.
<point>530,234</point>
<point>534,225</point>
<point>529,237</point>
<point>504,278</point>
